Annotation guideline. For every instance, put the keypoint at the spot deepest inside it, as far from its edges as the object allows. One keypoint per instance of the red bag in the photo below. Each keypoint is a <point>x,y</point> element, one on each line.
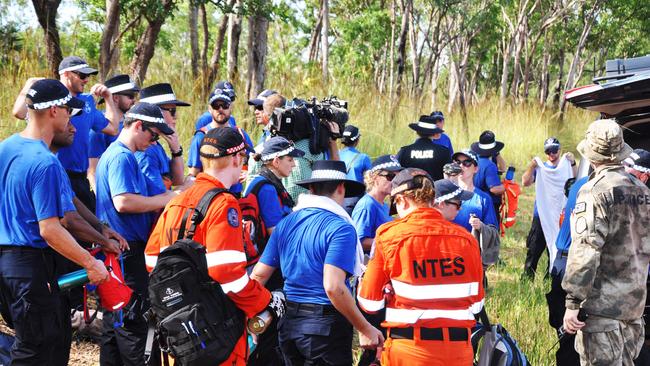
<point>114,294</point>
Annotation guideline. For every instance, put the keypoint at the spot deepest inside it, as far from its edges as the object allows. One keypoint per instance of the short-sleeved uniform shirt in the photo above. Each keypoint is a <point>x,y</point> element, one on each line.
<point>100,141</point>
<point>31,186</point>
<point>355,162</point>
<point>302,244</point>
<point>480,205</point>
<point>206,118</point>
<point>154,163</point>
<point>487,177</point>
<point>368,215</point>
<point>118,173</point>
<point>445,141</point>
<point>193,158</point>
<point>75,157</point>
<point>271,208</point>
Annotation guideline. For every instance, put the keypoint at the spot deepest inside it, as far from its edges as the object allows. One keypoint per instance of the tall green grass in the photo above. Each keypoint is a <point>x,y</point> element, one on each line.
<point>520,306</point>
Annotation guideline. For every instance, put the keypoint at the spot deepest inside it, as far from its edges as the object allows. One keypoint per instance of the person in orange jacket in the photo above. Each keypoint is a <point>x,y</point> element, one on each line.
<point>434,270</point>
<point>223,153</point>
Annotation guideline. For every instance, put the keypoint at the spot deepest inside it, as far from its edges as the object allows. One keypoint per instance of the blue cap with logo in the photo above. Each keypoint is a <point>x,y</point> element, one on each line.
<point>76,64</point>
<point>46,93</point>
<point>149,114</point>
<point>447,190</point>
<point>278,146</point>
<point>386,162</point>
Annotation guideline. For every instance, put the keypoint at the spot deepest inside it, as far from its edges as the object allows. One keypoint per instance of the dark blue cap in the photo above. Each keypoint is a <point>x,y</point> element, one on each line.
<point>46,93</point>
<point>333,171</point>
<point>219,94</point>
<point>447,190</point>
<point>228,88</point>
<point>351,133</point>
<point>279,146</point>
<point>552,144</point>
<point>121,84</point>
<point>149,114</point>
<point>386,162</point>
<point>76,64</point>
<point>261,97</point>
<point>160,94</point>
<point>437,116</point>
<point>639,160</point>
<point>426,125</point>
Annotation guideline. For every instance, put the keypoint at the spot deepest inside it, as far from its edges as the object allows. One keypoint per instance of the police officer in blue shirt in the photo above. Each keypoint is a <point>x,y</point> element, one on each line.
<point>487,178</point>
<point>123,200</point>
<point>441,138</point>
<point>31,206</point>
<point>123,91</point>
<point>220,107</point>
<point>161,171</point>
<point>424,154</point>
<point>317,251</point>
<point>74,73</point>
<point>206,117</point>
<point>356,162</point>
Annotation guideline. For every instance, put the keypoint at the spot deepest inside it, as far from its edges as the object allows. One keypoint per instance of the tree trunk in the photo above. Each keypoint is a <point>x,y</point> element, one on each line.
<point>206,38</point>
<point>193,19</point>
<point>507,53</point>
<point>453,86</point>
<point>234,31</point>
<point>544,80</point>
<point>415,61</point>
<point>401,45</point>
<point>257,43</point>
<point>146,45</point>
<point>325,44</point>
<point>392,49</point>
<point>216,52</point>
<point>314,40</point>
<point>434,85</point>
<point>108,55</point>
<point>46,11</point>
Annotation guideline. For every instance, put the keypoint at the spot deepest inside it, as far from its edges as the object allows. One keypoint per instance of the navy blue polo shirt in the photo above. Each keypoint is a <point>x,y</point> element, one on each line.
<point>300,246</point>
<point>480,205</point>
<point>154,163</point>
<point>118,173</point>
<point>368,215</point>
<point>100,141</point>
<point>355,162</point>
<point>75,156</point>
<point>271,208</point>
<point>31,186</point>
<point>206,118</point>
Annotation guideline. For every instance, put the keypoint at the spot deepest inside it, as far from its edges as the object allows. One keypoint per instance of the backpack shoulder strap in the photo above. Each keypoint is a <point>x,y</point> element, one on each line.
<point>202,208</point>
<point>352,162</point>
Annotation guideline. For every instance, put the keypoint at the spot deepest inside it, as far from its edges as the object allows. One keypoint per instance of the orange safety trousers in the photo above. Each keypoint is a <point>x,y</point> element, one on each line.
<point>417,352</point>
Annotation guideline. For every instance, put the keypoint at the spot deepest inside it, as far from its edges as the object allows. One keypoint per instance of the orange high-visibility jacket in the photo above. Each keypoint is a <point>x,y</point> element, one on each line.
<point>434,267</point>
<point>221,233</point>
<point>509,205</point>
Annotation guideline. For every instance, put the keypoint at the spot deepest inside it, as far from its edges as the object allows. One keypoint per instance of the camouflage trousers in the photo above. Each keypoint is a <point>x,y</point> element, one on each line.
<point>609,342</point>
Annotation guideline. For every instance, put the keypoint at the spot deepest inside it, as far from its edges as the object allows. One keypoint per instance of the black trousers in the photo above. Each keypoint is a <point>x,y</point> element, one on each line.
<point>370,355</point>
<point>31,303</point>
<point>81,188</point>
<point>566,354</point>
<point>123,344</point>
<point>536,245</point>
<point>267,352</point>
<point>315,335</point>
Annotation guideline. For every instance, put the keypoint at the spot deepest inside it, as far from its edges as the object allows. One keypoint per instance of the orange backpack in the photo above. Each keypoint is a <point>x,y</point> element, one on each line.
<point>509,205</point>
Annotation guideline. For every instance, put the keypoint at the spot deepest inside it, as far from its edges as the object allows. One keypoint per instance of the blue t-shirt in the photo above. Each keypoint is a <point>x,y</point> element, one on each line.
<point>271,208</point>
<point>154,163</point>
<point>67,194</point>
<point>99,142</point>
<point>487,177</point>
<point>355,162</point>
<point>368,215</point>
<point>75,156</point>
<point>31,186</point>
<point>118,173</point>
<point>206,118</point>
<point>302,244</point>
<point>445,141</point>
<point>563,241</point>
<point>193,160</point>
<point>480,205</point>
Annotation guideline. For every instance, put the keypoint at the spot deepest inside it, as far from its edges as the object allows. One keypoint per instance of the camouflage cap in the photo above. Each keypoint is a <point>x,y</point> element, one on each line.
<point>603,142</point>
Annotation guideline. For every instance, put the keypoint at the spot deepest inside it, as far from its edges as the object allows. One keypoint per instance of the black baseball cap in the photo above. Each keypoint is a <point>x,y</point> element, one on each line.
<point>160,94</point>
<point>76,64</point>
<point>386,162</point>
<point>551,144</point>
<point>149,114</point>
<point>409,179</point>
<point>639,160</point>
<point>46,93</point>
<point>447,190</point>
<point>219,94</point>
<point>228,88</point>
<point>226,140</point>
<point>120,85</point>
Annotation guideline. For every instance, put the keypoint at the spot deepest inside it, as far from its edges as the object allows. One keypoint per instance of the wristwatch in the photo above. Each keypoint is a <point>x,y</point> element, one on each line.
<point>178,153</point>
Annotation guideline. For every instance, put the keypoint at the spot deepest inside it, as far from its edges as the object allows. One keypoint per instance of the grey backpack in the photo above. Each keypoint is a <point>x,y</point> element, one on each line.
<point>494,346</point>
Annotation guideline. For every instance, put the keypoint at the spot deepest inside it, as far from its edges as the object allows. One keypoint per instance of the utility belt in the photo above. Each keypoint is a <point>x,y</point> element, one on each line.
<point>76,175</point>
<point>296,308</point>
<point>430,334</point>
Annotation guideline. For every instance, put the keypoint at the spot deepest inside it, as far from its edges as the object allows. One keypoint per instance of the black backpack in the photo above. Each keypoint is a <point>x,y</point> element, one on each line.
<point>195,321</point>
<point>494,346</point>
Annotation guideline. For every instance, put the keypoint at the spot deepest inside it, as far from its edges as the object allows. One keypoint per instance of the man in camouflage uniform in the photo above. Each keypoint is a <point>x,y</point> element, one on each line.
<point>608,261</point>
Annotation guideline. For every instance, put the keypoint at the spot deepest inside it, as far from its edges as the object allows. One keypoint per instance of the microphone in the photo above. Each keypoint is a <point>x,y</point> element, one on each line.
<point>582,316</point>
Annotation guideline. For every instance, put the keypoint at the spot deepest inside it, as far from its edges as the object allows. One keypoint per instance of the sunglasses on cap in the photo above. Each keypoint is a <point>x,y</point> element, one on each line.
<point>154,135</point>
<point>81,76</point>
<point>216,106</point>
<point>465,163</point>
<point>171,110</point>
<point>389,176</point>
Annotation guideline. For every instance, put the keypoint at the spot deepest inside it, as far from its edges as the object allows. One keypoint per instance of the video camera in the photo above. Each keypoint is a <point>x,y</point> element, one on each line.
<point>331,109</point>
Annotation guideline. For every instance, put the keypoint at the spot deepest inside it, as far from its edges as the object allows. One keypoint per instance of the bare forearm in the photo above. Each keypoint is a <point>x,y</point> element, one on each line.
<point>86,214</point>
<point>92,168</point>
<point>81,229</point>
<point>20,108</point>
<point>527,177</point>
<point>177,169</point>
<point>135,203</point>
<point>59,239</point>
<point>113,115</point>
<point>334,150</point>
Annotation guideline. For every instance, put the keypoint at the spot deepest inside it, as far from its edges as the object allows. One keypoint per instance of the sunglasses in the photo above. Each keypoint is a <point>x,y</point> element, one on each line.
<point>551,151</point>
<point>171,110</point>
<point>154,135</point>
<point>218,106</point>
<point>66,107</point>
<point>465,163</point>
<point>259,107</point>
<point>81,76</point>
<point>454,203</point>
<point>130,96</point>
<point>389,176</point>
